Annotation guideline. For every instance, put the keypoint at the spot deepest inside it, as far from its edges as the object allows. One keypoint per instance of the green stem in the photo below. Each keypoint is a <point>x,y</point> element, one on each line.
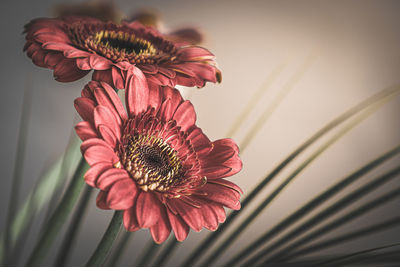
<point>59,216</point>
<point>73,228</point>
<point>372,229</point>
<point>150,250</point>
<point>122,243</point>
<point>369,206</point>
<point>358,253</point>
<point>104,247</point>
<point>166,253</point>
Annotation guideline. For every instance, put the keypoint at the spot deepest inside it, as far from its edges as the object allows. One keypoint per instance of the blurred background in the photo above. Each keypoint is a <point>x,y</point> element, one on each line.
<point>312,59</point>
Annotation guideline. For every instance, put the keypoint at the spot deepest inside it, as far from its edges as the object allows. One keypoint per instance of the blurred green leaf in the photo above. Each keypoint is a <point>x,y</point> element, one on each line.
<point>312,204</point>
<point>331,211</point>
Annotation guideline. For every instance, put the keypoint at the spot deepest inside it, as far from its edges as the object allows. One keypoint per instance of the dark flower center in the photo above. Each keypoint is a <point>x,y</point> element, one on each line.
<point>152,163</point>
<point>121,43</point>
<point>126,42</point>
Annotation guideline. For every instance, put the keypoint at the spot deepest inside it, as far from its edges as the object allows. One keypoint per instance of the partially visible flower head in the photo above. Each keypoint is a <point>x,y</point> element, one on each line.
<point>184,36</point>
<point>73,46</point>
<point>101,9</point>
<point>153,162</point>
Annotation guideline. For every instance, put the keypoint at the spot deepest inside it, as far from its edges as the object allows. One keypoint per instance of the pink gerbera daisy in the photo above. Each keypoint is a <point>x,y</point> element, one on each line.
<point>153,162</point>
<point>72,46</point>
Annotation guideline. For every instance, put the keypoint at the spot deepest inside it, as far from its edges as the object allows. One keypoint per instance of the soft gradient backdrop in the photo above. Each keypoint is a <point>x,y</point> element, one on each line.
<point>344,50</point>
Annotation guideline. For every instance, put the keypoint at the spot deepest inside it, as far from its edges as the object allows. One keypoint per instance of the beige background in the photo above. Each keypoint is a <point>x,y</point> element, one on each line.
<point>350,49</point>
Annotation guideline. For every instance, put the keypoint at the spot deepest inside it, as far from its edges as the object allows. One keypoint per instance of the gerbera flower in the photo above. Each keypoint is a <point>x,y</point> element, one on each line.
<point>153,162</point>
<point>72,46</point>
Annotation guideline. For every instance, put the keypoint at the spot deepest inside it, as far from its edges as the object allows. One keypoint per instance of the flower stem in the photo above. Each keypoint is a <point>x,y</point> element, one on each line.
<point>148,254</point>
<point>59,216</point>
<point>73,228</point>
<point>120,248</point>
<point>107,241</point>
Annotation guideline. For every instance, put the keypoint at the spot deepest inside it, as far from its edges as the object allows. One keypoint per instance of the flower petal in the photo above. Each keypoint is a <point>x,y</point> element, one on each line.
<point>137,92</point>
<point>148,209</point>
<point>103,115</point>
<point>185,116</point>
<point>101,200</point>
<point>122,194</point>
<point>95,171</point>
<point>110,177</point>
<point>108,135</point>
<point>130,221</point>
<point>95,154</point>
<point>222,195</point>
<point>85,108</point>
<point>85,130</point>
<point>191,215</point>
<point>67,71</point>
<point>180,228</point>
<point>161,230</point>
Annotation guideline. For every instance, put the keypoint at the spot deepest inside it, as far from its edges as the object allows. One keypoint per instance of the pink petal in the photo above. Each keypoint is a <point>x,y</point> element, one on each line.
<point>83,63</point>
<point>130,221</point>
<point>185,116</point>
<point>74,53</point>
<point>198,139</point>
<point>67,71</point>
<point>57,46</point>
<point>185,80</point>
<point>150,69</point>
<point>110,177</point>
<point>148,209</point>
<point>101,200</point>
<point>202,70</point>
<point>99,63</point>
<point>104,100</point>
<point>155,97</point>
<point>108,135</point>
<point>94,142</point>
<point>53,58</point>
<point>102,115</point>
<point>38,58</point>
<point>85,130</point>
<point>180,228</point>
<point>95,171</point>
<point>116,101</point>
<point>85,108</point>
<point>102,76</point>
<point>228,184</point>
<point>195,53</point>
<point>97,154</point>
<point>161,230</point>
<point>215,172</point>
<point>191,215</point>
<point>209,216</point>
<point>122,194</point>
<point>175,100</point>
<point>117,78</point>
<point>137,92</point>
<point>222,195</point>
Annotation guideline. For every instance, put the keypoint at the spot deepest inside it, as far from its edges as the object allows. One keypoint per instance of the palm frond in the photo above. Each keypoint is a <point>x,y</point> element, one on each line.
<point>330,211</point>
<point>265,203</point>
<point>313,204</point>
<point>207,243</point>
